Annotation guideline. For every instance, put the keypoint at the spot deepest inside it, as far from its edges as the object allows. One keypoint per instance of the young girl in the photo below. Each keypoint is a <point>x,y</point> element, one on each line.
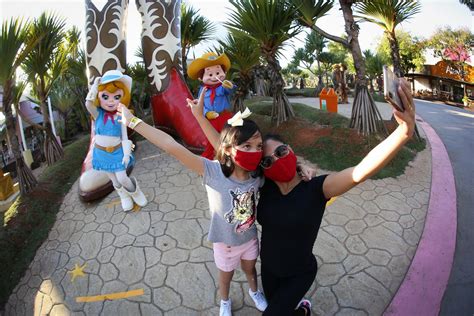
<point>232,192</point>
<point>112,150</point>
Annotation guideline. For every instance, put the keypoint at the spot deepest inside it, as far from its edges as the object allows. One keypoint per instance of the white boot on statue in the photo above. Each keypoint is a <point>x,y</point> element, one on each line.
<point>125,198</point>
<point>138,195</point>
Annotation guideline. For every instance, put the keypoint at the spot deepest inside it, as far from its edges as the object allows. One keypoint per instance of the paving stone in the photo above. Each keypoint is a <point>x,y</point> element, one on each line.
<point>186,231</point>
<point>166,207</point>
<point>355,245</point>
<point>337,232</point>
<point>155,276</point>
<point>174,256</point>
<point>149,309</point>
<point>201,254</point>
<point>124,240</point>
<point>130,262</point>
<point>351,312</point>
<point>166,298</point>
<point>398,265</point>
<point>370,207</point>
<point>108,272</point>
<point>378,257</point>
<point>329,248</point>
<point>391,216</point>
<point>355,226</point>
<point>361,291</point>
<point>158,229</point>
<point>336,219</point>
<point>368,195</point>
<point>383,238</point>
<point>121,308</point>
<point>407,221</point>
<point>119,230</point>
<point>329,273</point>
<point>394,227</point>
<point>373,219</point>
<point>137,223</point>
<point>144,241</point>
<point>411,237</point>
<point>193,282</point>
<point>325,302</point>
<point>60,310</point>
<point>354,264</point>
<point>381,274</point>
<point>152,256</point>
<point>106,254</point>
<point>165,243</point>
<point>90,244</point>
<point>183,201</point>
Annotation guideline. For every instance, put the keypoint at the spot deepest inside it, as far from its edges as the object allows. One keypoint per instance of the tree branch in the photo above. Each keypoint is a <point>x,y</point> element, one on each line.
<point>334,38</point>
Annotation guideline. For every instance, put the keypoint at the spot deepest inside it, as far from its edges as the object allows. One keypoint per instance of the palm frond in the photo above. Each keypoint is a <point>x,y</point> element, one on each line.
<point>309,11</point>
<point>269,22</point>
<point>195,28</point>
<point>388,13</point>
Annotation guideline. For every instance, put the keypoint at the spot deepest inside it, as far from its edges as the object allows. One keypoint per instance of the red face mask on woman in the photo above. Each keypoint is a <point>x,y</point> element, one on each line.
<point>283,169</point>
<point>248,160</point>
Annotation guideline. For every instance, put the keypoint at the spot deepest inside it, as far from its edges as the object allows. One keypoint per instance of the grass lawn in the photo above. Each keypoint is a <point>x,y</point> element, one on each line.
<point>325,139</point>
<point>27,222</point>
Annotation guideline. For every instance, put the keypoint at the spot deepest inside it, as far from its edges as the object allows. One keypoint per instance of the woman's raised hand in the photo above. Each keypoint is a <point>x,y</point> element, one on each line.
<point>197,105</point>
<point>407,117</point>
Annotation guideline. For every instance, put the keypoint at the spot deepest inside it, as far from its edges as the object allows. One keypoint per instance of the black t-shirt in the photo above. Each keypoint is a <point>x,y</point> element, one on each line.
<point>290,225</point>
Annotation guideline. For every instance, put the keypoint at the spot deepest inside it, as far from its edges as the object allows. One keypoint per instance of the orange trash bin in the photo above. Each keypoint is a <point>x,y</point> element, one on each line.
<point>328,100</point>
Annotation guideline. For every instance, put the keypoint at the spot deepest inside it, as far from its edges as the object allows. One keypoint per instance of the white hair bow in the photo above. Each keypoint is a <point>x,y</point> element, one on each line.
<point>238,118</point>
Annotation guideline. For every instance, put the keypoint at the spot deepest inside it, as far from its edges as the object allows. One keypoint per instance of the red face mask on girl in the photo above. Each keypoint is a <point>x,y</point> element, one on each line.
<point>284,168</point>
<point>248,160</point>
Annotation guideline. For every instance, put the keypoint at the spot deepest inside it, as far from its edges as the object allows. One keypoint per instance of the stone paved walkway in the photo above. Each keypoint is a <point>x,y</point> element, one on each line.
<point>364,248</point>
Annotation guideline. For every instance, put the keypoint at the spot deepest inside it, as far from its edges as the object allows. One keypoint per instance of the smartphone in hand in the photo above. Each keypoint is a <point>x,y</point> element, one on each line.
<point>390,88</point>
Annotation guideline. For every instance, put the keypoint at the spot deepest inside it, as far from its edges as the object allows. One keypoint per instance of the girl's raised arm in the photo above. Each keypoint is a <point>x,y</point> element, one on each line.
<point>340,182</point>
<point>162,140</point>
<point>197,107</point>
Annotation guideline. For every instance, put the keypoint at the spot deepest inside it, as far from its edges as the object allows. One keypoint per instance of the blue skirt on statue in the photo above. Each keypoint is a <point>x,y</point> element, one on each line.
<point>109,162</point>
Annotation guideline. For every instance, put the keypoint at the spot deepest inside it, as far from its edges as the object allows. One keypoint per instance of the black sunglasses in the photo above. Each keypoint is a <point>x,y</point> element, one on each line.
<point>279,152</point>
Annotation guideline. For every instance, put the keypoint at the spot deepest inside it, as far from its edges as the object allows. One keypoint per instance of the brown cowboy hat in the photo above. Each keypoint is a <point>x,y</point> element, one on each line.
<point>207,60</point>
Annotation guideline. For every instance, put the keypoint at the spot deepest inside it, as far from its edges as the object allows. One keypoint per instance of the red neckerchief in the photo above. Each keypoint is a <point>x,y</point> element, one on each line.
<point>213,91</point>
<point>110,115</point>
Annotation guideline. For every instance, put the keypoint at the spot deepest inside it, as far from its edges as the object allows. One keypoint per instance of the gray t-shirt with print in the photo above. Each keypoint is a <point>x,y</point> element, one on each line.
<point>233,205</point>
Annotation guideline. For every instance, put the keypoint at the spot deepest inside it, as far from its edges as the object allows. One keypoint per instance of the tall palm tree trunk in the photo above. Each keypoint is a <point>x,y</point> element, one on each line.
<point>395,54</point>
<point>320,85</point>
<point>184,63</point>
<point>25,176</point>
<point>282,109</point>
<point>243,88</point>
<point>52,150</point>
<point>365,116</point>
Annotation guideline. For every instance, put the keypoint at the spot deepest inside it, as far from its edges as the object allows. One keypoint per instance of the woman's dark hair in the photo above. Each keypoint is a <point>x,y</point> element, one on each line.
<point>275,137</point>
<point>233,136</point>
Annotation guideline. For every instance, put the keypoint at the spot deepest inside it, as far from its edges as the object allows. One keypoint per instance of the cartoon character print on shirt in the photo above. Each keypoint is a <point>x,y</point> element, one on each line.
<point>244,206</point>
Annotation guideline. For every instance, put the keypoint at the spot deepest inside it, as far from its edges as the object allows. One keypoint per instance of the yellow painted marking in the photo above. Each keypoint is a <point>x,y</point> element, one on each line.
<point>136,208</point>
<point>78,271</point>
<point>113,203</point>
<point>331,200</point>
<point>110,296</point>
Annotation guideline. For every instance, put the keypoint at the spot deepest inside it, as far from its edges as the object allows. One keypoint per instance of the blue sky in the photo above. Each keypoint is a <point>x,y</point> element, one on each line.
<point>434,14</point>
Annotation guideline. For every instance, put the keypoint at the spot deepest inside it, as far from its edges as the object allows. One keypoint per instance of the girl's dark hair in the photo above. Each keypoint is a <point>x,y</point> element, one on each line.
<point>233,136</point>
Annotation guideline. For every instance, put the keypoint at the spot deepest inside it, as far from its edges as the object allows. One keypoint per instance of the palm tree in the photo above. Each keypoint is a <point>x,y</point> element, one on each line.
<point>195,29</point>
<point>374,66</point>
<point>15,44</point>
<point>365,116</point>
<point>388,14</point>
<point>63,100</point>
<point>44,65</point>
<point>469,3</point>
<point>245,55</point>
<point>271,24</point>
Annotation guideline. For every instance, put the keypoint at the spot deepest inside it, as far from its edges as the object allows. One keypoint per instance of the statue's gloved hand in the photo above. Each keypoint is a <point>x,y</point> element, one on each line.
<point>212,115</point>
<point>94,90</point>
<point>227,84</point>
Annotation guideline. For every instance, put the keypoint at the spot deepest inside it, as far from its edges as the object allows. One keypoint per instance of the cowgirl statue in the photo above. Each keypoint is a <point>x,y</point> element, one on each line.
<point>112,151</point>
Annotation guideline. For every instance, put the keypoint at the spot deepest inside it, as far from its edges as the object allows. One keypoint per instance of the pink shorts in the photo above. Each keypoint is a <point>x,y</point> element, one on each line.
<point>227,258</point>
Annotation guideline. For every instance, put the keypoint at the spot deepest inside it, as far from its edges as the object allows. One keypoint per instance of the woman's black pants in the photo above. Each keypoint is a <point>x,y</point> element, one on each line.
<point>284,293</point>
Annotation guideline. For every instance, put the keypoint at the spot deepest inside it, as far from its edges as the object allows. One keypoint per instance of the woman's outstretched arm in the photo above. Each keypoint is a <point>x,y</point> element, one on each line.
<point>341,182</point>
<point>164,141</point>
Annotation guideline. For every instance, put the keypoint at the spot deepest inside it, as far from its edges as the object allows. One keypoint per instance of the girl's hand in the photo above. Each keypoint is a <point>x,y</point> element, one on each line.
<point>406,118</point>
<point>125,113</point>
<point>197,106</point>
<point>306,173</point>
